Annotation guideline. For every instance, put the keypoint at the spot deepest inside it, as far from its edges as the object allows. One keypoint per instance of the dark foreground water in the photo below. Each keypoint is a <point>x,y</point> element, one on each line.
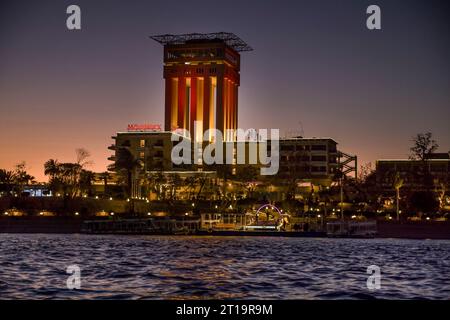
<point>152,267</point>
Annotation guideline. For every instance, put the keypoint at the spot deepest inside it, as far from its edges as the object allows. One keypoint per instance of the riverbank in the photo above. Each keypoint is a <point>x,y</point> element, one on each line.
<point>68,225</point>
<point>414,229</point>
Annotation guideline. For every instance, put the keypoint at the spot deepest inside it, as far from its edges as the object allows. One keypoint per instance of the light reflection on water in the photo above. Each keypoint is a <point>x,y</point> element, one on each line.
<point>178,267</point>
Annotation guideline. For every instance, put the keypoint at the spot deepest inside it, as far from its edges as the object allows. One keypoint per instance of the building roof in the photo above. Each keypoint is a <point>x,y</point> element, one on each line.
<point>307,139</point>
<point>229,38</point>
<point>411,160</point>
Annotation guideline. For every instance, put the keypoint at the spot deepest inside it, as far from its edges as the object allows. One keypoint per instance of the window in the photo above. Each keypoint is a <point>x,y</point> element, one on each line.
<point>319,158</point>
<point>141,155</point>
<point>318,147</point>
<point>142,143</point>
<point>284,147</point>
<point>319,169</point>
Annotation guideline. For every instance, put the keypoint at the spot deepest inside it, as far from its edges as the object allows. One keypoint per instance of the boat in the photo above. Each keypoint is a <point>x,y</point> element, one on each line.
<point>351,229</point>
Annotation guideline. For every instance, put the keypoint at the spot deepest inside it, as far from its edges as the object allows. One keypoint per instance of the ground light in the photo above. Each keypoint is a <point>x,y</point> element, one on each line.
<point>6,213</point>
<point>76,213</point>
<point>149,213</point>
<point>112,213</point>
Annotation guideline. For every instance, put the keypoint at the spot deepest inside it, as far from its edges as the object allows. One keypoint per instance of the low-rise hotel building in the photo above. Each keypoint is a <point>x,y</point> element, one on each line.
<point>411,171</point>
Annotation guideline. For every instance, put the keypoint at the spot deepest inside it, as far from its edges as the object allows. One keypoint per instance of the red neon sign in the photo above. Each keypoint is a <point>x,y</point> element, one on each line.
<point>144,127</point>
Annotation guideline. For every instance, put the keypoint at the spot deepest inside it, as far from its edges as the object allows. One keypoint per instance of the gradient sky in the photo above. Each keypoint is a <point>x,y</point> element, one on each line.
<point>314,66</point>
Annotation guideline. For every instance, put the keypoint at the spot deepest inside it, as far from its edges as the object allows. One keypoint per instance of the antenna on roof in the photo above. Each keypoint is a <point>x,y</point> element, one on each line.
<point>302,132</point>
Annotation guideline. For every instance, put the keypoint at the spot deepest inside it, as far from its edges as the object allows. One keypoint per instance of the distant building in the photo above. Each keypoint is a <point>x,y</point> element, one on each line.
<point>151,149</point>
<point>411,171</point>
<point>314,160</point>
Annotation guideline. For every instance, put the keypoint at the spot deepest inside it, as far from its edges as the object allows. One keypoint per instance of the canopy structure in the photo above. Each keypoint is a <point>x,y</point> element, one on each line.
<point>229,38</point>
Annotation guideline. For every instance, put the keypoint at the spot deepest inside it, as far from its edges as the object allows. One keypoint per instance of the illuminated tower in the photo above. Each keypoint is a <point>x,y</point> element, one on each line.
<point>202,79</point>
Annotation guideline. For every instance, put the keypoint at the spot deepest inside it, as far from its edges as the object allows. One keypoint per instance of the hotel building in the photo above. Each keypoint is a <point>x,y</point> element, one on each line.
<point>201,73</point>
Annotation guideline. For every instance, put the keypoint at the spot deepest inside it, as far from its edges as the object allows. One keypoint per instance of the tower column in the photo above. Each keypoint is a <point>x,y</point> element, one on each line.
<point>193,107</point>
<point>235,88</point>
<point>220,104</point>
<point>206,105</point>
<point>168,106</point>
<point>181,102</point>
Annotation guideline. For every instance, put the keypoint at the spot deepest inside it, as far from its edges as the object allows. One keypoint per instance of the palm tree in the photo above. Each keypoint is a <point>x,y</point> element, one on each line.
<point>7,180</point>
<point>86,179</point>
<point>105,176</point>
<point>21,177</point>
<point>191,183</point>
<point>126,164</point>
<point>398,183</point>
<point>51,168</point>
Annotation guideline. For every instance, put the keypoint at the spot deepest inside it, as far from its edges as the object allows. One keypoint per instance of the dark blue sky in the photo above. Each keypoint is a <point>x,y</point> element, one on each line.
<point>315,64</point>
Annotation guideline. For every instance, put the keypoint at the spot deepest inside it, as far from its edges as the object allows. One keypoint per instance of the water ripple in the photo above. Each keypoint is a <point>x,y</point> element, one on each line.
<point>157,267</point>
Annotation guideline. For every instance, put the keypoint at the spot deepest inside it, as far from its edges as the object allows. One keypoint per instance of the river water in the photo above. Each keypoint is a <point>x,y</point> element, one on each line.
<point>186,267</point>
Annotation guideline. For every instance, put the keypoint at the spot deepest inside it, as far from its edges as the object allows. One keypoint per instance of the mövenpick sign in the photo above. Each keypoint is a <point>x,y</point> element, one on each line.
<point>143,127</point>
<point>255,141</point>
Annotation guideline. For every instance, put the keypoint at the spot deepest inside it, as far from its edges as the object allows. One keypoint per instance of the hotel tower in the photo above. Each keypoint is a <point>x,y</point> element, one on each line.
<point>201,73</point>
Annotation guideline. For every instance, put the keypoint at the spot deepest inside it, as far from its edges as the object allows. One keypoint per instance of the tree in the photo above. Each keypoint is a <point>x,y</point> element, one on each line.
<point>69,178</point>
<point>7,180</point>
<point>157,181</point>
<point>202,179</point>
<point>105,176</point>
<point>424,202</point>
<point>247,174</point>
<point>191,183</point>
<point>174,182</point>
<point>398,183</point>
<point>423,146</point>
<point>51,168</point>
<point>21,177</point>
<point>86,179</point>
<point>364,172</point>
<point>125,166</point>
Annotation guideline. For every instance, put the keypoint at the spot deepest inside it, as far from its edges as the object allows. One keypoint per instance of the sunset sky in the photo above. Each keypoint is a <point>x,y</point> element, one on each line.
<point>315,66</point>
